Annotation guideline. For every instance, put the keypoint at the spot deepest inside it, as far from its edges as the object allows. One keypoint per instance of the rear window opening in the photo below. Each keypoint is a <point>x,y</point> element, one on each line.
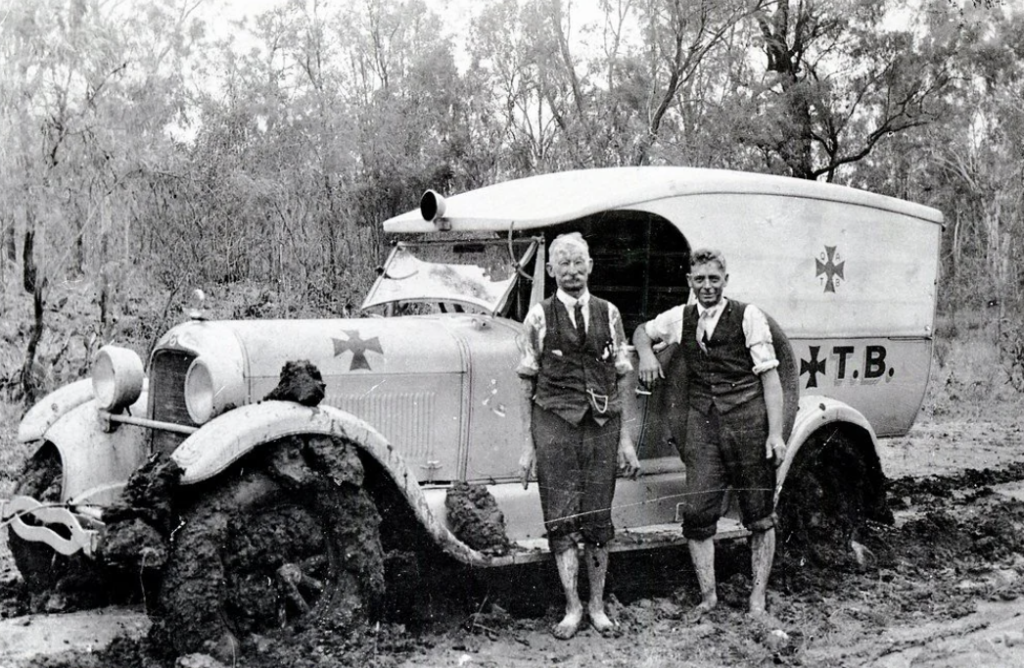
<point>640,262</point>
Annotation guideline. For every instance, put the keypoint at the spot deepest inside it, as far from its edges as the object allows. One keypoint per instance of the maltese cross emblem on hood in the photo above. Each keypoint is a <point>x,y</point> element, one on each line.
<point>358,347</point>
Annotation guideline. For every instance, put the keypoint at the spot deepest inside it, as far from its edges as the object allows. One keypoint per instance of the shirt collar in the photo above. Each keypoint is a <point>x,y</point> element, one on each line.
<point>570,301</point>
<point>713,310</point>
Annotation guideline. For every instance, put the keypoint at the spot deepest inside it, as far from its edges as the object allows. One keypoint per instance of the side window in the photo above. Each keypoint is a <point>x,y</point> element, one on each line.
<point>518,303</point>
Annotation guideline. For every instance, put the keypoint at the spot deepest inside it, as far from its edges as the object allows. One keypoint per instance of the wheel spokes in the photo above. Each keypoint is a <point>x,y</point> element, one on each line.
<point>295,586</point>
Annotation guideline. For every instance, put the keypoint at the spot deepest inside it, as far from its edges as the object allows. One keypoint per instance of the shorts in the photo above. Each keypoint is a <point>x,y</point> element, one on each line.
<point>722,451</point>
<point>576,468</point>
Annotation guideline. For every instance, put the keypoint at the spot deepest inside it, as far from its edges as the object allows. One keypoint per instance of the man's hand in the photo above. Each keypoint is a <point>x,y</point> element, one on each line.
<point>774,445</point>
<point>649,369</point>
<point>527,461</point>
<point>629,465</point>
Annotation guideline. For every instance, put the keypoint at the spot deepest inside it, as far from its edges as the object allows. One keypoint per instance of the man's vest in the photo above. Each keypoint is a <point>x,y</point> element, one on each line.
<point>575,376</point>
<point>723,375</point>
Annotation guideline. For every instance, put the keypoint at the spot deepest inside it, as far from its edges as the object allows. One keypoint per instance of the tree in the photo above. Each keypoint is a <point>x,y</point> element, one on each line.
<point>838,82</point>
<point>86,93</point>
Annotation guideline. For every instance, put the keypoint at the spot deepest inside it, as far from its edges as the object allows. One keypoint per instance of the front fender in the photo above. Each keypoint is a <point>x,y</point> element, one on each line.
<point>225,439</point>
<point>55,405</point>
<point>96,463</point>
<point>814,412</point>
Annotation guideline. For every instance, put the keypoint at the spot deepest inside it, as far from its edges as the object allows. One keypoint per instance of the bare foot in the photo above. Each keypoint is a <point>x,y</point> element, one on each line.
<point>567,628</point>
<point>703,608</point>
<point>599,620</point>
<point>759,610</point>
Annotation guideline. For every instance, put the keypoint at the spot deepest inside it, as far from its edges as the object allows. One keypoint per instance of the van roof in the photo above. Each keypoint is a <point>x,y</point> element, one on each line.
<point>548,199</point>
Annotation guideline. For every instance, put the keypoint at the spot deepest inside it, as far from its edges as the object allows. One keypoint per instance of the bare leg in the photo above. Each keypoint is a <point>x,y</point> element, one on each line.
<point>762,554</point>
<point>597,570</point>
<point>702,552</point>
<point>568,564</point>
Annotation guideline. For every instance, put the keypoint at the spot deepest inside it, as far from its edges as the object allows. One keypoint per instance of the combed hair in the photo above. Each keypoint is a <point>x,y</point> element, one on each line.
<point>705,255</point>
<point>568,239</point>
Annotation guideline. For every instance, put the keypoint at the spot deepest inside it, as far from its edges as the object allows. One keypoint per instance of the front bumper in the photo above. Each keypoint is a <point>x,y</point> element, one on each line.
<point>59,526</point>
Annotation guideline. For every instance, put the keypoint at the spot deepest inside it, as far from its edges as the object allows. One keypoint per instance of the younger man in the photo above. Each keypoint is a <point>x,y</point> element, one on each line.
<point>734,424</point>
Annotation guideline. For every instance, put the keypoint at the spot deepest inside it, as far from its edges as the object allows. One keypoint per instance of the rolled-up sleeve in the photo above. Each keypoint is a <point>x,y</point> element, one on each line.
<point>667,326</point>
<point>622,363</point>
<point>759,340</point>
<point>531,342</point>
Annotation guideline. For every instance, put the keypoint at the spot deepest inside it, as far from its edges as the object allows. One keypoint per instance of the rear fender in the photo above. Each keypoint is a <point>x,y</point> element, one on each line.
<point>55,405</point>
<point>225,439</point>
<point>815,412</point>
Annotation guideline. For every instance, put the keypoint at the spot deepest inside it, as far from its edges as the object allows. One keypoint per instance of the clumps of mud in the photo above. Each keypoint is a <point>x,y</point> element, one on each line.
<point>14,596</point>
<point>953,536</point>
<point>300,382</point>
<point>54,582</point>
<point>949,551</point>
<point>138,529</point>
<point>908,491</point>
<point>476,520</point>
<point>292,508</point>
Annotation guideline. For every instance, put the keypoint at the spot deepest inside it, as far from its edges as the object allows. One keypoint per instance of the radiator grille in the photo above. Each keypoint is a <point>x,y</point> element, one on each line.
<point>167,396</point>
<point>406,419</point>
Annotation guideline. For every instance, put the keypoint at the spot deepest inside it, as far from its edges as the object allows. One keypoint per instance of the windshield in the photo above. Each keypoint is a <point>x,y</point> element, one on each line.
<point>463,275</point>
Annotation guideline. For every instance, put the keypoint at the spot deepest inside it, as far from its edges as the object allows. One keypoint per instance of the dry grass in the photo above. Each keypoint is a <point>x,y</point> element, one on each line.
<point>970,375</point>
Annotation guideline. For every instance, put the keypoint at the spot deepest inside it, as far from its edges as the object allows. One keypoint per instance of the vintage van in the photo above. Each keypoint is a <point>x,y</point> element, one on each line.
<point>421,393</point>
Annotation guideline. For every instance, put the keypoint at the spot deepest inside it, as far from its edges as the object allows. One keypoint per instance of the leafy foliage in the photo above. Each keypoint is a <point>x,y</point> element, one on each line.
<point>142,145</point>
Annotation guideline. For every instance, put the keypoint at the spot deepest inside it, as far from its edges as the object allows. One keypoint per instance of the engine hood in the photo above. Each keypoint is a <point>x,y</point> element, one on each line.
<point>409,345</point>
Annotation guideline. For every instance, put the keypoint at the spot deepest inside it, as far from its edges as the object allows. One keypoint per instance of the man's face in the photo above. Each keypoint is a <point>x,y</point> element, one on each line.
<point>571,266</point>
<point>708,281</point>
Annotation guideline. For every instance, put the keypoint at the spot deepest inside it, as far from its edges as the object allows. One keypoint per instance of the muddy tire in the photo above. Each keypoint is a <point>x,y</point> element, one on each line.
<point>285,540</point>
<point>832,490</point>
<point>53,580</point>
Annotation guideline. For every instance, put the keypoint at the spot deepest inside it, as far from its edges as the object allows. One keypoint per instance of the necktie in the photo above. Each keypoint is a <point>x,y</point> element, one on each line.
<point>702,332</point>
<point>581,325</point>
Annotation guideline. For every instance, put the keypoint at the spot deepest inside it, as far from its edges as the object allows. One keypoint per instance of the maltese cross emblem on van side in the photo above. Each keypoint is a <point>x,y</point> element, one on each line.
<point>812,367</point>
<point>358,347</point>
<point>830,265</point>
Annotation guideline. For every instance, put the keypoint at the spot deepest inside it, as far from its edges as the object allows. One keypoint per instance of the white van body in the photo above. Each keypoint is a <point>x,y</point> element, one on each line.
<point>849,275</point>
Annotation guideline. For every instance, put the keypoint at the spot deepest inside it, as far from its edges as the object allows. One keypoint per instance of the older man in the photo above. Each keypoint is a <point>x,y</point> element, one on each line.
<point>573,370</point>
<point>735,421</point>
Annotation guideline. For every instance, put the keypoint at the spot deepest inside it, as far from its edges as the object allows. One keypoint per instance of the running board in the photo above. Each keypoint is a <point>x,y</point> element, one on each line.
<point>533,550</point>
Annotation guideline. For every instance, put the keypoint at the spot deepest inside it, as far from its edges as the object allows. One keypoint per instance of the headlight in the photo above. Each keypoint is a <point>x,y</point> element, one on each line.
<point>212,388</point>
<point>117,377</point>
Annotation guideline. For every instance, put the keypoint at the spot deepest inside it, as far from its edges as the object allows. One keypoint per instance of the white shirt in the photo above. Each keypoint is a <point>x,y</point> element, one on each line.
<point>531,341</point>
<point>667,327</point>
<point>570,305</point>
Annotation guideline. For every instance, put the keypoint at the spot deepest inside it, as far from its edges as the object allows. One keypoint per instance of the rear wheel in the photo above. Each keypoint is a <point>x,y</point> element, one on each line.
<point>831,491</point>
<point>55,582</point>
<point>288,539</point>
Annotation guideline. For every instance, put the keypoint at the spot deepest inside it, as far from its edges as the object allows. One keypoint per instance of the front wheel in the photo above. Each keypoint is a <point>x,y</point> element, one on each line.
<point>56,582</point>
<point>287,538</point>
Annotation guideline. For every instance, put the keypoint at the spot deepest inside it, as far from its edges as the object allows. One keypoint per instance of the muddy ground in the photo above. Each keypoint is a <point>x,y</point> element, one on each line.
<point>943,587</point>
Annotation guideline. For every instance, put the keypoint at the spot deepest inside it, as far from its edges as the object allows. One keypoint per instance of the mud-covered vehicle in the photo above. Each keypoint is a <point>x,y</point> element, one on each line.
<point>272,505</point>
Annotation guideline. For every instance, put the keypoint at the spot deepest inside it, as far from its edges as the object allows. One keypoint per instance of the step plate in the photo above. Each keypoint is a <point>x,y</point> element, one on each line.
<point>631,540</point>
